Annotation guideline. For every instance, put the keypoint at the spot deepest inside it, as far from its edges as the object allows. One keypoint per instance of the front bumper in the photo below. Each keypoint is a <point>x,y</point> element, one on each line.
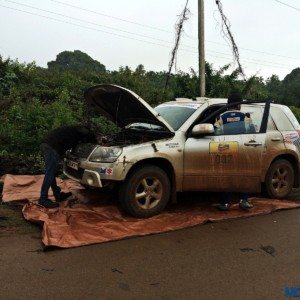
<point>93,174</point>
<point>85,177</point>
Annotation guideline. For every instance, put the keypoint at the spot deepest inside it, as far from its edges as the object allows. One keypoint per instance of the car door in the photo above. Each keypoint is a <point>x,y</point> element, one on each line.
<point>230,162</point>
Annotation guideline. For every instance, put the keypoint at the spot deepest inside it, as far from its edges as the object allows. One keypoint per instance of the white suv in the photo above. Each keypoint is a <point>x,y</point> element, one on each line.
<point>175,147</point>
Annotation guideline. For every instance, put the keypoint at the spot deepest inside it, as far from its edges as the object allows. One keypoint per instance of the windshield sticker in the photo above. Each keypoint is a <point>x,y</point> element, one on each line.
<point>223,148</point>
<point>292,138</point>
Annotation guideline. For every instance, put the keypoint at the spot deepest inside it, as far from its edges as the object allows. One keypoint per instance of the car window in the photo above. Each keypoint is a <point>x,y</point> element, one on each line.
<point>255,113</point>
<point>291,117</point>
<point>281,120</point>
<point>271,125</point>
<point>176,114</point>
<point>251,119</point>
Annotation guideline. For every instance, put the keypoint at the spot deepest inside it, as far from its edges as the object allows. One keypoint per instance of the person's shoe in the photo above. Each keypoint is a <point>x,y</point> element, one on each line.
<point>245,204</point>
<point>223,206</point>
<point>63,196</point>
<point>48,203</point>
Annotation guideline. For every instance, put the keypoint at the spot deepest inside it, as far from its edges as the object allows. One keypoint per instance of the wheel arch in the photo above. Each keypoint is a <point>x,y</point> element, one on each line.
<point>161,163</point>
<point>294,162</point>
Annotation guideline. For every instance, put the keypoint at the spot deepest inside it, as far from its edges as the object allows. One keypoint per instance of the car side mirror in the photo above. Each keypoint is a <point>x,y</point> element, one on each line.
<point>202,129</point>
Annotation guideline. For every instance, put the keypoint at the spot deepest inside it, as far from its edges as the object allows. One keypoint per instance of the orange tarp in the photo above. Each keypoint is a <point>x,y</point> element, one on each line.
<point>93,217</point>
<point>27,187</point>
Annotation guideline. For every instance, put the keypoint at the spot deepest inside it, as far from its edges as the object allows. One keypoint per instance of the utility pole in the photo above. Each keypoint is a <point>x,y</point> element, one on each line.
<point>201,47</point>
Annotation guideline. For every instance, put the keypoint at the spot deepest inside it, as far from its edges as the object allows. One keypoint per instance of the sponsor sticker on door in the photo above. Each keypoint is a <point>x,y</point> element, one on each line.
<point>223,147</point>
<point>292,138</point>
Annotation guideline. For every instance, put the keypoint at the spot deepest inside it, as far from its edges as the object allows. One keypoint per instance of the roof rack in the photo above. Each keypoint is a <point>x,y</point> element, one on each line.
<point>183,99</point>
<point>202,99</point>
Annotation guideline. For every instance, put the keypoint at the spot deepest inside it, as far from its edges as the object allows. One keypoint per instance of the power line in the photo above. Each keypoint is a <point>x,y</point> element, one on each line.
<point>87,22</point>
<point>160,29</point>
<point>115,34</point>
<point>183,17</point>
<point>248,58</point>
<point>108,16</point>
<point>128,32</point>
<point>288,5</point>
<point>82,26</point>
<point>226,30</point>
<point>250,62</point>
<point>257,51</point>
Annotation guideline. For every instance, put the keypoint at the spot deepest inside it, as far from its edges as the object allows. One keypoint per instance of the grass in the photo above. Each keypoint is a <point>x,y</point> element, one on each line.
<point>12,221</point>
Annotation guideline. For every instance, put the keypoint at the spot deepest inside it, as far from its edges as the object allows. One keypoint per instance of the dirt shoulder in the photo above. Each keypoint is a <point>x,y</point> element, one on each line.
<point>252,258</point>
<point>229,259</point>
<point>13,222</point>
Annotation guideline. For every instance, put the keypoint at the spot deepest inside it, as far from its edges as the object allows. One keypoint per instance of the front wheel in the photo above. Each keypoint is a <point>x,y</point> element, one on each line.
<point>146,192</point>
<point>279,179</point>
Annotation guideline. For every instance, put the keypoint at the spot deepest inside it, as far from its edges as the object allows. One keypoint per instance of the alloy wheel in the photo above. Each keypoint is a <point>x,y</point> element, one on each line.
<point>148,192</point>
<point>281,179</point>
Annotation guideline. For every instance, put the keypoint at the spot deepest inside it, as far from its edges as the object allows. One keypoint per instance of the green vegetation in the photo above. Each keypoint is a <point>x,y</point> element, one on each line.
<point>12,221</point>
<point>34,100</point>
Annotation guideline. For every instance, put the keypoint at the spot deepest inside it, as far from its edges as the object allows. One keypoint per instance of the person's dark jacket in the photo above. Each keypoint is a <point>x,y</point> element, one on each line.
<point>66,137</point>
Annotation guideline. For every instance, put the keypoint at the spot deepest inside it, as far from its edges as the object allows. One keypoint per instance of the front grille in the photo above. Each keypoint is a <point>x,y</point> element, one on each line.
<point>82,150</point>
<point>75,173</point>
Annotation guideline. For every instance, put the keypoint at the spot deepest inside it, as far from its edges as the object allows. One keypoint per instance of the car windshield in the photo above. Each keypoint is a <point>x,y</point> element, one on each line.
<point>176,114</point>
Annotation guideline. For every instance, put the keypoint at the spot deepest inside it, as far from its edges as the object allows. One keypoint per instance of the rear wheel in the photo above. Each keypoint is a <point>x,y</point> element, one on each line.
<point>146,192</point>
<point>279,179</point>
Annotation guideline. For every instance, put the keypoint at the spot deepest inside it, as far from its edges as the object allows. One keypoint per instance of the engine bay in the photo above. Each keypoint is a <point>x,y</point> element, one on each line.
<point>123,138</point>
<point>132,136</point>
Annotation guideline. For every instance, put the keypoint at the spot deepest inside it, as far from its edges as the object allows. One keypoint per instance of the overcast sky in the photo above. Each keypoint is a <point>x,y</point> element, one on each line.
<point>267,28</point>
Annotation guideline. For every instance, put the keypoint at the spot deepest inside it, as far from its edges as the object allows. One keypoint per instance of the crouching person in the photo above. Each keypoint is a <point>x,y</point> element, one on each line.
<point>53,148</point>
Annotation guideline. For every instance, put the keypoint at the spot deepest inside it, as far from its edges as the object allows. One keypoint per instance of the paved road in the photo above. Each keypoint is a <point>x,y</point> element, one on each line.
<point>213,261</point>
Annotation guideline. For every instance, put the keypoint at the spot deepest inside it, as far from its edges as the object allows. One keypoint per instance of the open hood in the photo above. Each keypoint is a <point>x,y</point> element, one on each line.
<point>122,106</point>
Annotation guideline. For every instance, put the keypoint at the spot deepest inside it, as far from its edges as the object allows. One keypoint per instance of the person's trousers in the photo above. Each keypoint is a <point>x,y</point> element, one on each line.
<point>227,197</point>
<point>51,159</point>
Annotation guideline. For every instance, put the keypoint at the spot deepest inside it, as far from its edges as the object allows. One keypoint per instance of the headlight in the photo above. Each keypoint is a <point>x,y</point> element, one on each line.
<point>106,154</point>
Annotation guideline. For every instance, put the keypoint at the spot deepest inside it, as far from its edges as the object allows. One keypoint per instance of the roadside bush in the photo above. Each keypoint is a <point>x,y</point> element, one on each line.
<point>23,125</point>
<point>296,111</point>
<point>103,126</point>
<point>21,165</point>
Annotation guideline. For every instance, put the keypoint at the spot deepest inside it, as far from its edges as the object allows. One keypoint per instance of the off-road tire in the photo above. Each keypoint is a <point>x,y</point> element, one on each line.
<point>279,179</point>
<point>133,186</point>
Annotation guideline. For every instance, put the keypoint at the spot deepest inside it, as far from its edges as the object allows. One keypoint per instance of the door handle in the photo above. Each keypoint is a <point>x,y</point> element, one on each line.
<point>253,144</point>
<point>276,139</point>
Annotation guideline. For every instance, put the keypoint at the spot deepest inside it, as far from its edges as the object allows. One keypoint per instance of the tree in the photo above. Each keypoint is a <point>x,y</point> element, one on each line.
<point>291,88</point>
<point>274,88</point>
<point>75,61</point>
